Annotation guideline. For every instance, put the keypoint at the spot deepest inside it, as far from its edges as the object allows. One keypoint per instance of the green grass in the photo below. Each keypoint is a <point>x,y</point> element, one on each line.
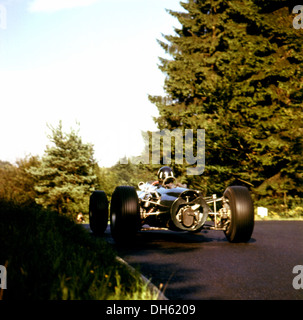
<point>49,257</point>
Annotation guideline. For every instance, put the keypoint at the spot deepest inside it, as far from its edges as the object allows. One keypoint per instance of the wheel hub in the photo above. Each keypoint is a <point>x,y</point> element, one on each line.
<point>188,217</point>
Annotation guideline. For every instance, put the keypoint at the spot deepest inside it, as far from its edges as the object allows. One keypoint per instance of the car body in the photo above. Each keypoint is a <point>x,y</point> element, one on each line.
<point>172,207</point>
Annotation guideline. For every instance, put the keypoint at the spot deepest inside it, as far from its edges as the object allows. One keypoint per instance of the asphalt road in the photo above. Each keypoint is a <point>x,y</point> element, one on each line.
<point>206,266</point>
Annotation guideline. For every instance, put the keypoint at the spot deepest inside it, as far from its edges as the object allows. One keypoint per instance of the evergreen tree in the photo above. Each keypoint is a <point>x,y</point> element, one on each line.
<point>66,175</point>
<point>237,71</point>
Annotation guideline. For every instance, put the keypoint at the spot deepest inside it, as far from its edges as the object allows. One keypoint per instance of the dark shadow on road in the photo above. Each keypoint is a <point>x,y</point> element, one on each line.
<point>154,238</point>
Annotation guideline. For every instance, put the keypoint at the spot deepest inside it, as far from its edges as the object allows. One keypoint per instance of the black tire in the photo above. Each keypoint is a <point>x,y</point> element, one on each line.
<point>98,212</point>
<point>241,205</point>
<point>124,214</point>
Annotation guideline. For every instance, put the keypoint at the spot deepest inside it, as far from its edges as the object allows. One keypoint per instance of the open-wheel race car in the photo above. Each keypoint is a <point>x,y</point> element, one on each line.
<point>165,205</point>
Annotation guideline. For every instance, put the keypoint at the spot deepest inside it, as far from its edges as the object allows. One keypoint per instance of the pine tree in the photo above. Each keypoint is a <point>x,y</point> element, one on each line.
<point>236,71</point>
<point>66,175</point>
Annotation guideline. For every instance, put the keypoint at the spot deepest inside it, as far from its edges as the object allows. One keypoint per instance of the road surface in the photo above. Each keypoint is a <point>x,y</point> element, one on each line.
<point>206,266</point>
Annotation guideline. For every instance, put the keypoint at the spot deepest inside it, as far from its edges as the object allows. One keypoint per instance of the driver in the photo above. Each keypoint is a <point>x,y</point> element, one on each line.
<point>165,174</point>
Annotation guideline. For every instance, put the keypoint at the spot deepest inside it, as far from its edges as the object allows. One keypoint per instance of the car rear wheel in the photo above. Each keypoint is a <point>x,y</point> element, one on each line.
<point>124,214</point>
<point>98,212</point>
<point>240,206</point>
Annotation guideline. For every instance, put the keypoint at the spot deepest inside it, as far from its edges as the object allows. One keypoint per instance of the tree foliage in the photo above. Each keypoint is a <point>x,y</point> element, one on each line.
<point>236,71</point>
<point>16,184</point>
<point>66,175</point>
<point>129,174</point>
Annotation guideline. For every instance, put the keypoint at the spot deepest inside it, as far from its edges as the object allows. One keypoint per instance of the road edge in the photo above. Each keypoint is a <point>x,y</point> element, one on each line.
<point>150,285</point>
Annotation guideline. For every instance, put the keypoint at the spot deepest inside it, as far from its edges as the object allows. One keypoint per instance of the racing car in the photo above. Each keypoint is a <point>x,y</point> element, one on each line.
<point>165,204</point>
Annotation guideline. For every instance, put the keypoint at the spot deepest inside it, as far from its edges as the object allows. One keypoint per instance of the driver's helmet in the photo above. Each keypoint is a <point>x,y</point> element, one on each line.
<point>164,173</point>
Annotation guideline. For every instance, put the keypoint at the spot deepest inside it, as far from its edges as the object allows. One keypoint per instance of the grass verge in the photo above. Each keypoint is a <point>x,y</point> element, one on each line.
<point>283,213</point>
<point>49,257</point>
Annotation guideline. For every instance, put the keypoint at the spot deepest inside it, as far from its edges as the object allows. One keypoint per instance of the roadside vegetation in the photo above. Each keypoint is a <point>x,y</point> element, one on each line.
<point>49,257</point>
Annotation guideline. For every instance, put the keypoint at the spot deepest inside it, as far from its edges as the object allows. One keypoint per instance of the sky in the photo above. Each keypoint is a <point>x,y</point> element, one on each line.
<point>92,62</point>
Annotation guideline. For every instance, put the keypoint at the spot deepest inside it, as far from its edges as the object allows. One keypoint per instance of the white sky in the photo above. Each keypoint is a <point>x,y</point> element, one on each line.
<point>91,61</point>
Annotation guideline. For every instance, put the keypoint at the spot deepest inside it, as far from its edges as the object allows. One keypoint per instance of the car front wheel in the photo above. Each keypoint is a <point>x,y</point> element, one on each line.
<point>124,214</point>
<point>239,204</point>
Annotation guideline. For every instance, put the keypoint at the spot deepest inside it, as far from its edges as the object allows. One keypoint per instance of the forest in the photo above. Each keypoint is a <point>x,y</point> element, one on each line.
<point>236,71</point>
